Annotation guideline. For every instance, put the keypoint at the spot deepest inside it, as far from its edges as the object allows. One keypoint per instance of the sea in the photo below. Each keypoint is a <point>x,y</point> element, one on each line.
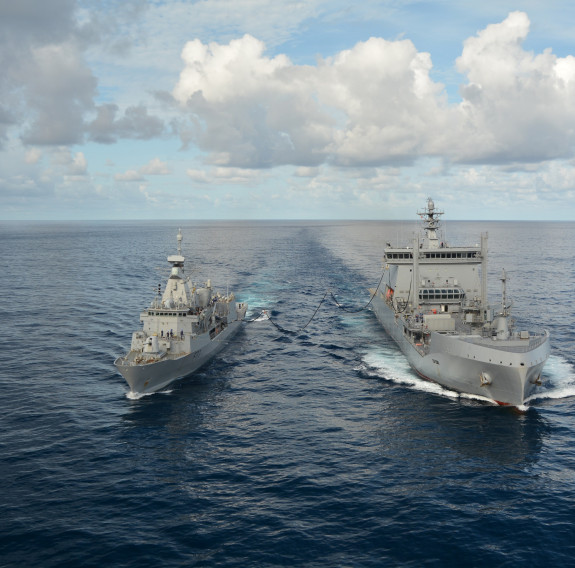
<point>306,443</point>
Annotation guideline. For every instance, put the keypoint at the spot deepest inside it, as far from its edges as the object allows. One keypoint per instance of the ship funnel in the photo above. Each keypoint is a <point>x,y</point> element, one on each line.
<point>502,327</point>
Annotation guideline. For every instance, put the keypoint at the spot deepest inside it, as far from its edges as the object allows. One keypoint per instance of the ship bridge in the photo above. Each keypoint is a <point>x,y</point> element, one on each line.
<point>177,292</point>
<point>431,273</point>
<point>446,254</point>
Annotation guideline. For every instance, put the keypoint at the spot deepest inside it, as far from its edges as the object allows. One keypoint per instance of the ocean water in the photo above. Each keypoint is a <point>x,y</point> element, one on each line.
<point>313,447</point>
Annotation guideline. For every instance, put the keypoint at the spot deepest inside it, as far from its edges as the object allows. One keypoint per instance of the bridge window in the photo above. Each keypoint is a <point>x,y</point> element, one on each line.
<point>399,255</point>
<point>438,294</point>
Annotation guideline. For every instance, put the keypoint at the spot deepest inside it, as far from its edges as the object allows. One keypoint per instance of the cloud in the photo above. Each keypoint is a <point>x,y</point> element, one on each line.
<point>44,22</point>
<point>63,159</point>
<point>273,21</point>
<point>38,176</point>
<point>60,89</point>
<point>224,175</point>
<point>516,105</point>
<point>155,168</point>
<point>243,99</point>
<point>46,84</point>
<point>235,175</point>
<point>130,175</point>
<point>48,90</point>
<point>33,156</point>
<point>198,176</point>
<point>371,104</point>
<point>79,165</point>
<point>376,103</point>
<point>393,110</point>
<point>307,172</point>
<point>102,128</point>
<point>136,123</point>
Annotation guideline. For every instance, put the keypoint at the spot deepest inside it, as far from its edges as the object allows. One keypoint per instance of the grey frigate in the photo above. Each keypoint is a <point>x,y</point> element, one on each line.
<point>183,328</point>
<point>434,305</point>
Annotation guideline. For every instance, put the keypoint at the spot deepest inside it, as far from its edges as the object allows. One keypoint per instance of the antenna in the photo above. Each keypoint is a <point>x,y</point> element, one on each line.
<point>180,242</point>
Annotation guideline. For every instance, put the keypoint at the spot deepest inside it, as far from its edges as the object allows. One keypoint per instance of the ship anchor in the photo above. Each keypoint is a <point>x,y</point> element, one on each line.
<point>485,379</point>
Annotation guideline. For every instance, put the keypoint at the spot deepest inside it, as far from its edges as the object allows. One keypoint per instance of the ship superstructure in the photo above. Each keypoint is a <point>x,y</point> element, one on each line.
<point>182,329</point>
<point>434,305</point>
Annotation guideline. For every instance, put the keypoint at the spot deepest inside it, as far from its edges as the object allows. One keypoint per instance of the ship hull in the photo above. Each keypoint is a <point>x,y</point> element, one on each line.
<point>469,364</point>
<point>148,378</point>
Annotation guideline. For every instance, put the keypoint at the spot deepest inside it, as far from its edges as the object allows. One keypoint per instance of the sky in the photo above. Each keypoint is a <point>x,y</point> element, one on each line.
<point>286,109</point>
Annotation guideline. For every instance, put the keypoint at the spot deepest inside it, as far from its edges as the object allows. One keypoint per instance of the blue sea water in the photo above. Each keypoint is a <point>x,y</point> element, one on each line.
<point>311,448</point>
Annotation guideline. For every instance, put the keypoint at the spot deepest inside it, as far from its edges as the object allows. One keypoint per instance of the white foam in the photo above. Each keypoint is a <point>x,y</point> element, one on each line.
<point>263,317</point>
<point>558,380</point>
<point>138,395</point>
<point>477,397</point>
<point>391,364</point>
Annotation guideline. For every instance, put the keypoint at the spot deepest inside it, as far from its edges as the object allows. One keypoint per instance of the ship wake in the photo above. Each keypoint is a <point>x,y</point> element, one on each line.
<point>138,395</point>
<point>558,380</point>
<point>391,365</point>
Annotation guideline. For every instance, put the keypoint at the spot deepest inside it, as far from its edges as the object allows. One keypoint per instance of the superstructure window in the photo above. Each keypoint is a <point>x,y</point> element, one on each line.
<point>443,254</point>
<point>439,294</point>
<point>399,255</point>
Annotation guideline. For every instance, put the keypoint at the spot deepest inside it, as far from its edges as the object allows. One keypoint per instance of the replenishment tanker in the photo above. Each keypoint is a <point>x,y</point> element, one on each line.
<point>434,305</point>
<point>182,329</point>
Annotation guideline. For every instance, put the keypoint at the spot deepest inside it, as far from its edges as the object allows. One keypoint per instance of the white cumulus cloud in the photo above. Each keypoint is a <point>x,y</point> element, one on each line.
<point>129,176</point>
<point>377,104</point>
<point>155,167</point>
<point>221,175</point>
<point>517,105</point>
<point>371,104</point>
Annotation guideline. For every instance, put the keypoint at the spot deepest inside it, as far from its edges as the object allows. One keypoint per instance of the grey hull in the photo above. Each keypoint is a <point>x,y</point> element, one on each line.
<point>510,374</point>
<point>155,376</point>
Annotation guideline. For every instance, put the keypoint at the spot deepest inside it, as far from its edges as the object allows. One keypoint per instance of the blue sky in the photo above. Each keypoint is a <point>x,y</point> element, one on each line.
<point>270,109</point>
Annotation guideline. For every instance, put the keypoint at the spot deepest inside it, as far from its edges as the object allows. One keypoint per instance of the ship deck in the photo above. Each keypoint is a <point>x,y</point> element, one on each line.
<point>513,345</point>
<point>472,334</point>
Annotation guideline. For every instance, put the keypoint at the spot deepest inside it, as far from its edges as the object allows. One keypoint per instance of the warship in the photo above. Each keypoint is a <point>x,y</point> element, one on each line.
<point>434,305</point>
<point>182,330</point>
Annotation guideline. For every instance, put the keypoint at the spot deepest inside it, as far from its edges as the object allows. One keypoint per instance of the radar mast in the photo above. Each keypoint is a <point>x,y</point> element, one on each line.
<point>431,224</point>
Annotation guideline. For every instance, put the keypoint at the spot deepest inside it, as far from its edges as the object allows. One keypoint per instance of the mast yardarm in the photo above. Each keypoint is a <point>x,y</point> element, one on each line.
<point>431,224</point>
